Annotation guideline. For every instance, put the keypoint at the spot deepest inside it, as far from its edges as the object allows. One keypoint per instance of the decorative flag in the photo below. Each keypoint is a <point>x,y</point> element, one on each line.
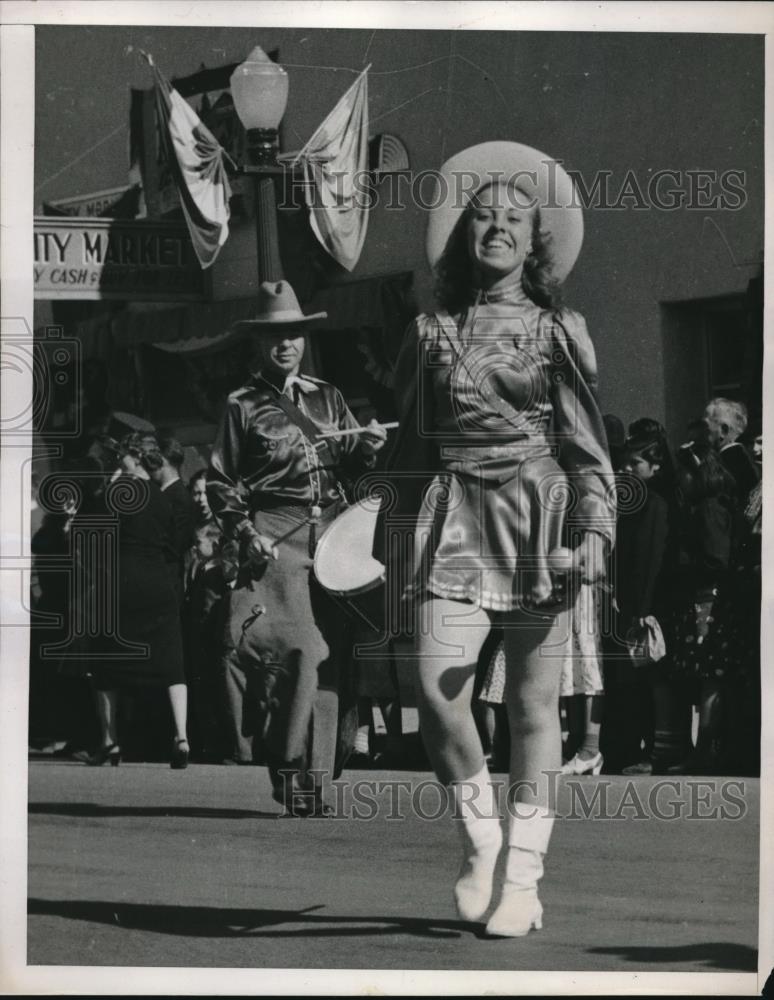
<point>196,160</point>
<point>335,159</point>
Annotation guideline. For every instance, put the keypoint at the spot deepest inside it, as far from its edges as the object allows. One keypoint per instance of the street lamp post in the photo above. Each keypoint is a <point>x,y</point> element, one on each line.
<point>259,89</point>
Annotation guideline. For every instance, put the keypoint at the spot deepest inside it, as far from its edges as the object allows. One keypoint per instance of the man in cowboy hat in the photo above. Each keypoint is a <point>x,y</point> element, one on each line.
<point>271,478</point>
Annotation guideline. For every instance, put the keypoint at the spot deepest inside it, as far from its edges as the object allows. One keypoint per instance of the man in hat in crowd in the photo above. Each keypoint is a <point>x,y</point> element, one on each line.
<point>274,485</point>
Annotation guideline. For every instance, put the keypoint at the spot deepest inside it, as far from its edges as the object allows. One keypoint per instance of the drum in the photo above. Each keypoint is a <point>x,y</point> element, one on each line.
<point>345,567</point>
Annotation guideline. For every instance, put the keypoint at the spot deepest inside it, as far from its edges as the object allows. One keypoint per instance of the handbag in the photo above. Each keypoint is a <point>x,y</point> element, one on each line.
<point>645,643</point>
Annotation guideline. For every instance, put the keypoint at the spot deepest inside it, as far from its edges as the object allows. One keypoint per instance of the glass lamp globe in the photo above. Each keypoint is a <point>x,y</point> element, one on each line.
<point>259,89</point>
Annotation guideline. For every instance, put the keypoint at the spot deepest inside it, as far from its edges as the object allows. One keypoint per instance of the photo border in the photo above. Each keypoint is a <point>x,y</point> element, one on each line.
<point>17,116</point>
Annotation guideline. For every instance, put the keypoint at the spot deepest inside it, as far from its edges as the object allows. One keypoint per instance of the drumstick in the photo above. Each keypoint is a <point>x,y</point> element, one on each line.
<point>284,538</point>
<point>289,534</point>
<point>313,519</point>
<point>357,430</point>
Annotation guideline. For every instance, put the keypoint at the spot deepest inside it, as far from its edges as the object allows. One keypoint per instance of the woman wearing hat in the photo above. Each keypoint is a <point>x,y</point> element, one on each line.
<point>271,478</point>
<point>501,409</point>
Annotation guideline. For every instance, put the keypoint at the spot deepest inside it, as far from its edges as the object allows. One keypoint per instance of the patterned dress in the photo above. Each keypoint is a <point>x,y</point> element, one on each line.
<point>708,542</point>
<point>582,662</point>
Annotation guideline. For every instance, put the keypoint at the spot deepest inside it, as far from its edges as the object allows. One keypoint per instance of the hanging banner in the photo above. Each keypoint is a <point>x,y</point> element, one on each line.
<point>79,258</point>
<point>207,91</point>
<point>196,160</point>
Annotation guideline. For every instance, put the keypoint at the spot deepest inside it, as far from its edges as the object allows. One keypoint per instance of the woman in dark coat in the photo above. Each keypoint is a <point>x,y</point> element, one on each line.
<point>710,537</point>
<point>149,649</point>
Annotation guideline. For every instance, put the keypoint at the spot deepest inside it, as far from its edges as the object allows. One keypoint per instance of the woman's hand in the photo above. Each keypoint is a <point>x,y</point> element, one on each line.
<point>373,439</point>
<point>261,549</point>
<point>590,558</point>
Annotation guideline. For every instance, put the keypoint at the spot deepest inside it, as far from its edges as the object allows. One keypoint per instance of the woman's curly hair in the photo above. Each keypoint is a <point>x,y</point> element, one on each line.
<point>131,444</point>
<point>455,286</point>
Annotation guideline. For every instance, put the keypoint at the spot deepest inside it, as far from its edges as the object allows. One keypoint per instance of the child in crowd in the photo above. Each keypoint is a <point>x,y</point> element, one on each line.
<point>638,576</point>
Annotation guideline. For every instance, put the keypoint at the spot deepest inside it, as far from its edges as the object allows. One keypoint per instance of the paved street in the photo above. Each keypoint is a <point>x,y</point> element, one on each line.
<point>141,865</point>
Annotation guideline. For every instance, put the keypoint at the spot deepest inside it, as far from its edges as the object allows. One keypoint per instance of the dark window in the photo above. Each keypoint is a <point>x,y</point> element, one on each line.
<point>712,347</point>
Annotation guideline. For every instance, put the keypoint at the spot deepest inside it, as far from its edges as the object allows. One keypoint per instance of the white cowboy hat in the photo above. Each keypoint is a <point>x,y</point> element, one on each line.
<point>541,178</point>
<point>277,306</point>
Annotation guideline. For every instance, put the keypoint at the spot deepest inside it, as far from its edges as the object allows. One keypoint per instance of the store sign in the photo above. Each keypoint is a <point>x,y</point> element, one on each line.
<point>96,203</point>
<point>110,259</point>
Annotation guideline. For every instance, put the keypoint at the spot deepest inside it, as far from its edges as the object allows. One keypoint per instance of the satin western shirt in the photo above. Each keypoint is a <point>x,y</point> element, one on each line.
<point>261,458</point>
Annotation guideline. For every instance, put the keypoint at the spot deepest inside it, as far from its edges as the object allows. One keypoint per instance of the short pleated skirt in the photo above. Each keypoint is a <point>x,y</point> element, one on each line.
<point>486,541</point>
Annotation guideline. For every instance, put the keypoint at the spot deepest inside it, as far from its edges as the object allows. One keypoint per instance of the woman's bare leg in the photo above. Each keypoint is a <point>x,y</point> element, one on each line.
<point>450,640</point>
<point>178,700</point>
<point>533,664</point>
<point>451,635</point>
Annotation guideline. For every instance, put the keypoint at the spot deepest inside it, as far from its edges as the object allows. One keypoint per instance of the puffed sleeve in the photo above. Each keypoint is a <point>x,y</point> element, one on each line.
<point>407,366</point>
<point>223,476</point>
<point>412,460</point>
<point>578,428</point>
<point>413,399</point>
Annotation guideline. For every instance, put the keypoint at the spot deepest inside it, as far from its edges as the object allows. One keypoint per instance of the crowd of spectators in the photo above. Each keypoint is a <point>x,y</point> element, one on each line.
<point>687,556</point>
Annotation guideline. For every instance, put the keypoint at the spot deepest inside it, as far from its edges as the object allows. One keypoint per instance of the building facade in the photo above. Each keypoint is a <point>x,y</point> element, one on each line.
<point>664,135</point>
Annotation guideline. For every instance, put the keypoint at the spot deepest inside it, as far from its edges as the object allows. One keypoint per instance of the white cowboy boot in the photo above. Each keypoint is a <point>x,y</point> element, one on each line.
<point>478,821</point>
<point>519,909</point>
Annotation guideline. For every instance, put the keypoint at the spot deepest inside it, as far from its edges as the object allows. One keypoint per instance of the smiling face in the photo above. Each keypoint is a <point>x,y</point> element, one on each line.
<point>283,349</point>
<point>499,231</point>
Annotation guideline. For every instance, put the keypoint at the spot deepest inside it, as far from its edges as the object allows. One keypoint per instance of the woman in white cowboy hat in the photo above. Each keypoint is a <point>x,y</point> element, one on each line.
<point>270,477</point>
<point>502,411</point>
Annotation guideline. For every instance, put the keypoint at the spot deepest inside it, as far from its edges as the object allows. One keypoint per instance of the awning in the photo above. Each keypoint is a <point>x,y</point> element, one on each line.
<point>204,326</point>
<point>354,304</point>
<point>382,303</point>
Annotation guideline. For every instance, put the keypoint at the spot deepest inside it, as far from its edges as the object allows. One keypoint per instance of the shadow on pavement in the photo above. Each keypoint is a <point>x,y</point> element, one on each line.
<point>210,921</point>
<point>715,955</point>
<point>92,809</point>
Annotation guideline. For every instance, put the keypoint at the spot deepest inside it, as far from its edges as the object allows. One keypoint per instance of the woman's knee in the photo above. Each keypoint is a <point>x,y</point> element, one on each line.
<point>532,703</point>
<point>435,704</point>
